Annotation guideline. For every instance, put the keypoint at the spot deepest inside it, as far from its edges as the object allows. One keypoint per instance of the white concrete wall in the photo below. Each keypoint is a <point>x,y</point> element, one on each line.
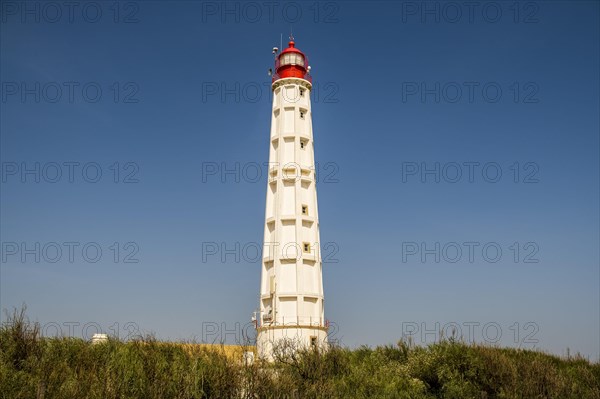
<point>294,337</point>
<point>296,297</point>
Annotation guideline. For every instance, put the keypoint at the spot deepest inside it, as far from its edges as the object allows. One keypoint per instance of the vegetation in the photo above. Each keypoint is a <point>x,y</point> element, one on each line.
<point>35,367</point>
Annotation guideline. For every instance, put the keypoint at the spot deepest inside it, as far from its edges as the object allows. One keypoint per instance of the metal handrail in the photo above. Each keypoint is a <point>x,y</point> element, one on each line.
<point>294,321</point>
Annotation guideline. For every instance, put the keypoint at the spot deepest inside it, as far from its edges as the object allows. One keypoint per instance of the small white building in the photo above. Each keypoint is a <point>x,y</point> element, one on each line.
<point>291,289</point>
<point>99,338</point>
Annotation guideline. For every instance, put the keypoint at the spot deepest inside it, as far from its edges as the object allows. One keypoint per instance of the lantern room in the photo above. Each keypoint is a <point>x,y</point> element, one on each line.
<point>291,63</point>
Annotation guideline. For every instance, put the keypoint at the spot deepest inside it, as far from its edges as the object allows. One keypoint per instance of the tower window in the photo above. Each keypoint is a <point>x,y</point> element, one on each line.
<point>302,144</point>
<point>306,247</point>
<point>301,114</point>
<point>313,341</point>
<point>304,209</point>
<point>301,92</point>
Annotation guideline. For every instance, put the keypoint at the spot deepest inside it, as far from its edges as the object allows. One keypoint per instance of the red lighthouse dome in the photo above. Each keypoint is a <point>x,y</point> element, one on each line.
<point>291,63</point>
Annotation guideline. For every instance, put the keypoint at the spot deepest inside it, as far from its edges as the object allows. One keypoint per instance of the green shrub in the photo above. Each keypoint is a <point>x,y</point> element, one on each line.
<point>32,366</point>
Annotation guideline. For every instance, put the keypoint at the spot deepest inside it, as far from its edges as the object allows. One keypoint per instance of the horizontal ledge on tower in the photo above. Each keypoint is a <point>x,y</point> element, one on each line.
<point>294,218</point>
<point>315,295</point>
<point>299,81</point>
<point>292,325</point>
<point>287,294</point>
<point>309,256</point>
<point>287,258</point>
<point>294,135</point>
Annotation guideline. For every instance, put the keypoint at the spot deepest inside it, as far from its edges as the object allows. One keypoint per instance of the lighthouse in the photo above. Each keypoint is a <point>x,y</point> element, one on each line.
<point>291,309</point>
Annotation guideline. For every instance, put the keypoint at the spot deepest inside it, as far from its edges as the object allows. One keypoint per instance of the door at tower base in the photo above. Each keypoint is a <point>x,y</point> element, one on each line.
<point>272,343</point>
<point>291,305</point>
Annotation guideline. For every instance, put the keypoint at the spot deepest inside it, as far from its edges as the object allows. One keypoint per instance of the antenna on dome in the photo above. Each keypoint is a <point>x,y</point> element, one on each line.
<point>291,34</point>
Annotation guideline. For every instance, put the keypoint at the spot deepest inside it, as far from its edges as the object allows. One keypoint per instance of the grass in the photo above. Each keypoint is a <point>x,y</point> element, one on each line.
<point>35,367</point>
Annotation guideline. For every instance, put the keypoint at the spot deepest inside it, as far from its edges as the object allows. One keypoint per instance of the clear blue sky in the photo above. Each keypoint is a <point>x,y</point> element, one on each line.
<point>184,88</point>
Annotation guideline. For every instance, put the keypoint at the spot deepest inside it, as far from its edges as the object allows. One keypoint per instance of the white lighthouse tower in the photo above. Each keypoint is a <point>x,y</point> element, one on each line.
<point>291,288</point>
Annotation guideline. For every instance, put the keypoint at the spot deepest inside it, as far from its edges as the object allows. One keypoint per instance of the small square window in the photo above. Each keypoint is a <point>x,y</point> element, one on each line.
<point>306,247</point>
<point>301,92</point>
<point>304,210</point>
<point>313,341</point>
<point>302,114</point>
<point>302,144</point>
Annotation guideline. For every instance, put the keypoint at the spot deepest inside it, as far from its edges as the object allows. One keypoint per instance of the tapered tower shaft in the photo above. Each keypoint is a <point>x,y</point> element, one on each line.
<point>291,289</point>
